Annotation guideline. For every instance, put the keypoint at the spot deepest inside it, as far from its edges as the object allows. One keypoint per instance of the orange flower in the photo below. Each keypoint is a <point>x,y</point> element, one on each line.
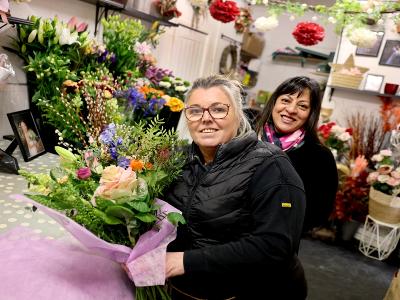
<point>136,165</point>
<point>148,166</point>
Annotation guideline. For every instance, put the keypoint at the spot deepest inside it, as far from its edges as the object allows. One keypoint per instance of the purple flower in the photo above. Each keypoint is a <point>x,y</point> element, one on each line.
<point>106,137</point>
<point>123,162</point>
<point>83,173</point>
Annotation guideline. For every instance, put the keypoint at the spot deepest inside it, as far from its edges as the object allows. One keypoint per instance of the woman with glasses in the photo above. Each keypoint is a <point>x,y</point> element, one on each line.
<point>243,204</point>
<point>290,120</point>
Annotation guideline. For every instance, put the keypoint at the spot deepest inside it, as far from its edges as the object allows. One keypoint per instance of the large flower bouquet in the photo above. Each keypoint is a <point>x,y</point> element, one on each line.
<point>386,176</point>
<point>110,188</point>
<point>335,137</point>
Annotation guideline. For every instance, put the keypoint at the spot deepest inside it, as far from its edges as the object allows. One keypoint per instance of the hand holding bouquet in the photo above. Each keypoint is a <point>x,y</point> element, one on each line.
<point>110,189</point>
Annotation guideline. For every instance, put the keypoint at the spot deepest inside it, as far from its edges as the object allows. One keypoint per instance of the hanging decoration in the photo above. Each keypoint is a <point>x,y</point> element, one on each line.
<point>243,21</point>
<point>362,37</point>
<point>224,11</point>
<point>199,10</point>
<point>229,51</point>
<point>263,24</point>
<point>308,33</point>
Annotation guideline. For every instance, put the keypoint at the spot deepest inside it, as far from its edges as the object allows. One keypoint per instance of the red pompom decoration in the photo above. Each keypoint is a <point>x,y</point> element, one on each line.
<point>224,11</point>
<point>308,33</point>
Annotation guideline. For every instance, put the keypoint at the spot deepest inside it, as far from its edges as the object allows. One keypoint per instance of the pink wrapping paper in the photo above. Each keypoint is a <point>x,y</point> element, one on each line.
<point>145,262</point>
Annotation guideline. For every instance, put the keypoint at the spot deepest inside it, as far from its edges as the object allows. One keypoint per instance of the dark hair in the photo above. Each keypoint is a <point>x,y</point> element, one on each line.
<point>292,86</point>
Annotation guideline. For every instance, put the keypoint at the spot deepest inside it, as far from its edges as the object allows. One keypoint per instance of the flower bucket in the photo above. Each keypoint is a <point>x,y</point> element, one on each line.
<point>384,207</point>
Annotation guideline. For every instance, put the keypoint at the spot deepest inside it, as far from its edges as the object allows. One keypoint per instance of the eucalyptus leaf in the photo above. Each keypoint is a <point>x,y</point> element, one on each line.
<point>147,218</point>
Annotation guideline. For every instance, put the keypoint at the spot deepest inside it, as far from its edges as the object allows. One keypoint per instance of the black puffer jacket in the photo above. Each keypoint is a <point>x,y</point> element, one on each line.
<point>244,216</point>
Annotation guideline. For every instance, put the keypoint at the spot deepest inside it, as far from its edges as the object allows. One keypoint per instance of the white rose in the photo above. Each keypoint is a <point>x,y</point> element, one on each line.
<point>337,129</point>
<point>377,157</point>
<point>345,136</point>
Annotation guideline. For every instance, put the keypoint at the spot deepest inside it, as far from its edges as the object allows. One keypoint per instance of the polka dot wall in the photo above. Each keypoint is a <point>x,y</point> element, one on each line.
<point>15,213</point>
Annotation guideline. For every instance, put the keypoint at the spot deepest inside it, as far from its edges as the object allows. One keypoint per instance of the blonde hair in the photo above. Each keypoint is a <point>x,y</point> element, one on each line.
<point>234,90</point>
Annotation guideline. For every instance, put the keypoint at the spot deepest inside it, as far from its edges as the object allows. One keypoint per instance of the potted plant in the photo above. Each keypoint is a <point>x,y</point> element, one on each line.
<point>384,200</point>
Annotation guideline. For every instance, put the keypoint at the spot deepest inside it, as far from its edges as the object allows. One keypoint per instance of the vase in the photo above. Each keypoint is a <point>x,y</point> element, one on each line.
<point>170,118</point>
<point>349,229</point>
<point>391,88</point>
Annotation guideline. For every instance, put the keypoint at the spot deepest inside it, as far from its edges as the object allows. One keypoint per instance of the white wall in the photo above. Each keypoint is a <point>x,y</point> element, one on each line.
<point>347,103</point>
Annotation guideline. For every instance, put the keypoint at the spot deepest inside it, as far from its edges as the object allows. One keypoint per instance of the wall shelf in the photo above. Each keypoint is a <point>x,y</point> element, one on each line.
<point>103,6</point>
<point>303,60</point>
<point>364,92</point>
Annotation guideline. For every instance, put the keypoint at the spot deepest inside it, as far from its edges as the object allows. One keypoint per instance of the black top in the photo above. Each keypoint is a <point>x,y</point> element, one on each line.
<point>317,168</point>
<point>244,215</point>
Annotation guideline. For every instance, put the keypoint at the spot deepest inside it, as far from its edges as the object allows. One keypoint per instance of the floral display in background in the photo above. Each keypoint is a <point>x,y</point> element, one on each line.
<point>351,202</point>
<point>224,11</point>
<point>336,138</point>
<point>111,186</point>
<point>243,21</point>
<point>308,33</point>
<point>386,176</point>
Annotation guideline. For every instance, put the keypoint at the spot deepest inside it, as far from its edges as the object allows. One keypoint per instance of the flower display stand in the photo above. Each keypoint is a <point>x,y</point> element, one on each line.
<point>378,239</point>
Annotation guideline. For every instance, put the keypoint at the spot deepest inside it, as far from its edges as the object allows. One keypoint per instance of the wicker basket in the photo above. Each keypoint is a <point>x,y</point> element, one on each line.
<point>384,207</point>
<point>344,80</point>
<point>340,78</point>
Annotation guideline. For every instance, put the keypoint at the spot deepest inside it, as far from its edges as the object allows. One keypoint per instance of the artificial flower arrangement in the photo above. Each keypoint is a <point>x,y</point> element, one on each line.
<point>384,200</point>
<point>336,138</point>
<point>386,176</point>
<point>224,11</point>
<point>110,189</point>
<point>308,33</point>
<point>243,21</point>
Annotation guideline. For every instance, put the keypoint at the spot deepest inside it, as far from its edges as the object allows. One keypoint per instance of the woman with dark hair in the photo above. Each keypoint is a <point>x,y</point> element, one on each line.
<point>243,203</point>
<point>289,120</point>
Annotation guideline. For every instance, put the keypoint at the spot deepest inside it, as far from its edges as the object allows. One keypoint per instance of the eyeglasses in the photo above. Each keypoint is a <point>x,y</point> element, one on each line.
<point>217,111</point>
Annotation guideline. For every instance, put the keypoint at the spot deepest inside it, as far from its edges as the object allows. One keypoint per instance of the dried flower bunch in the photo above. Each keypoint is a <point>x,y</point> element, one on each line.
<point>167,8</point>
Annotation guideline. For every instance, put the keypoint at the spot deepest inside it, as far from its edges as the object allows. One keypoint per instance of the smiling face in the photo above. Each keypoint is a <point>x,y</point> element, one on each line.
<point>291,111</point>
<point>208,132</point>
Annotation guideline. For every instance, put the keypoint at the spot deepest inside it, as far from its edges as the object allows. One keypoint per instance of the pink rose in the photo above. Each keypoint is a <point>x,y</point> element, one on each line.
<point>83,173</point>
<point>115,183</point>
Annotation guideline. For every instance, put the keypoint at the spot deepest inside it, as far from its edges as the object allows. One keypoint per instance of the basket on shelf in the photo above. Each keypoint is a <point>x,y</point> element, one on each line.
<point>342,74</point>
<point>384,207</point>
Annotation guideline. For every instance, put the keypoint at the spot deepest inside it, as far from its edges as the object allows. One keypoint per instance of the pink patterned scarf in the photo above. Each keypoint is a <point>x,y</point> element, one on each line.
<point>285,142</point>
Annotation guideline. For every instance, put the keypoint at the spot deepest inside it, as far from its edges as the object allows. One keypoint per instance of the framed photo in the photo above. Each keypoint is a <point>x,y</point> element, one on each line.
<point>26,133</point>
<point>373,83</point>
<point>374,50</point>
<point>391,54</point>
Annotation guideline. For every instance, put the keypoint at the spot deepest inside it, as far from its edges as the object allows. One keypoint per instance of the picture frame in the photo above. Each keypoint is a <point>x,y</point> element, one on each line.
<point>374,50</point>
<point>373,82</point>
<point>26,134</point>
<point>391,54</point>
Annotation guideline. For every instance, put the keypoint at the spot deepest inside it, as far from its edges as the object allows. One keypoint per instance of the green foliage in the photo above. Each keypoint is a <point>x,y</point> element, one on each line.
<point>120,37</point>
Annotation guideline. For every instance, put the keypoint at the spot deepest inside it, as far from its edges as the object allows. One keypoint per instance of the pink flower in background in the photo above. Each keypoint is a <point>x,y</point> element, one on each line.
<point>91,160</point>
